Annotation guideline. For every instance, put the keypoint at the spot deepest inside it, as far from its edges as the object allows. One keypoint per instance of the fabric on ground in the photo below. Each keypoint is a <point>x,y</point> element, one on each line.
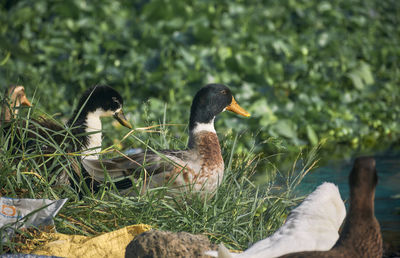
<point>110,244</point>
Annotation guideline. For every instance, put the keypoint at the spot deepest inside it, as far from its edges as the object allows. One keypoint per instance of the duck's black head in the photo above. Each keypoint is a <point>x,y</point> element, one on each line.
<point>211,100</point>
<point>100,97</point>
<point>104,101</point>
<point>363,175</point>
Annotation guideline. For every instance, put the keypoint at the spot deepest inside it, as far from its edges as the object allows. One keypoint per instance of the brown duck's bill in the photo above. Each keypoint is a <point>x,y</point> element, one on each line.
<point>234,107</point>
<point>25,102</point>
<point>120,117</point>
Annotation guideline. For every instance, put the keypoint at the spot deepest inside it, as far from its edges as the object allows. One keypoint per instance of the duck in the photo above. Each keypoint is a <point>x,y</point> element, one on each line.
<point>15,97</point>
<point>313,225</point>
<point>82,132</point>
<point>85,123</point>
<point>361,235</point>
<point>200,167</point>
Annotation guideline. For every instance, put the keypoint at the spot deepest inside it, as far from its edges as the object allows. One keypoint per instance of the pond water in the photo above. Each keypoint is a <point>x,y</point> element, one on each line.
<point>387,196</point>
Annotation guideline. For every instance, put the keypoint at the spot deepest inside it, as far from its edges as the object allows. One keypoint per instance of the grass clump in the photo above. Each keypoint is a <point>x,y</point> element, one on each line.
<point>240,213</point>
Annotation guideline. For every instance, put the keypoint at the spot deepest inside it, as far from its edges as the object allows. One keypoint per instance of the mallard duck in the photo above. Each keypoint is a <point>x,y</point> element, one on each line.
<point>82,132</point>
<point>361,234</point>
<point>84,126</point>
<point>14,98</point>
<point>199,167</point>
<point>313,225</point>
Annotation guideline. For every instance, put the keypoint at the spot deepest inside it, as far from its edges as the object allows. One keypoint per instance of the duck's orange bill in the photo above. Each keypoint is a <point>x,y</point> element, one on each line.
<point>234,107</point>
<point>120,117</point>
<point>25,101</point>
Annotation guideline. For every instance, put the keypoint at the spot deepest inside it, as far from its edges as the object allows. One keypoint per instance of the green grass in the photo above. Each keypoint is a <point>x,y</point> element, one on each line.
<point>241,212</point>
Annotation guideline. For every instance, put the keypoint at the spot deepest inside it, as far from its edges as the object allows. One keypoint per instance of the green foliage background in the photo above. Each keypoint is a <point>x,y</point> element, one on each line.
<point>306,70</point>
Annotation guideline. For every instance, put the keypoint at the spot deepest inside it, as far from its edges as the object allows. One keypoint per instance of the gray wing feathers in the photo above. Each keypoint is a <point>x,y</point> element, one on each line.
<point>132,165</point>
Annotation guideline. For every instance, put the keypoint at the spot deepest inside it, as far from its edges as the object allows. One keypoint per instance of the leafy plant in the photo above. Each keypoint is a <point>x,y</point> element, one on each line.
<point>308,70</point>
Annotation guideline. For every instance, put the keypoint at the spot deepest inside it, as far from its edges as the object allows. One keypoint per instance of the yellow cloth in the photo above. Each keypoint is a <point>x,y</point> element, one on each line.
<point>110,244</point>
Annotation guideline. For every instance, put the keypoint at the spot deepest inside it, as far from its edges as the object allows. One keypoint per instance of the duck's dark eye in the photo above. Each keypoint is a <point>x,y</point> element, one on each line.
<point>116,100</point>
<point>224,92</point>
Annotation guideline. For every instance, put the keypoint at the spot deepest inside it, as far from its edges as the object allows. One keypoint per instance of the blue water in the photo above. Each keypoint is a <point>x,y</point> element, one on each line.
<point>387,196</point>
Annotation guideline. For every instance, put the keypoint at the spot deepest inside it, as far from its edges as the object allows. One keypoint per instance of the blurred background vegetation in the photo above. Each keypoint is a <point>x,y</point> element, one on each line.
<point>306,70</point>
<point>309,72</point>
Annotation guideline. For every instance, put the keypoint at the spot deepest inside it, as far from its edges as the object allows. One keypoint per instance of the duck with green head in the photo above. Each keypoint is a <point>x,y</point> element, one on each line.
<point>200,167</point>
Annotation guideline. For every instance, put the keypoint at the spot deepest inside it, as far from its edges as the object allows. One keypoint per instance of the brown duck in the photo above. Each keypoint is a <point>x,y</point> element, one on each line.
<point>200,167</point>
<point>14,98</point>
<point>361,234</point>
